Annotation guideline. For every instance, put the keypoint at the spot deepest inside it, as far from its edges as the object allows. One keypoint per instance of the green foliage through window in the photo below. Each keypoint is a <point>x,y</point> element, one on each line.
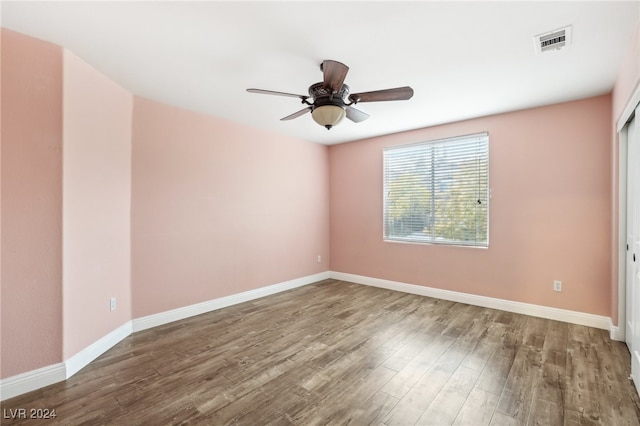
<point>438,192</point>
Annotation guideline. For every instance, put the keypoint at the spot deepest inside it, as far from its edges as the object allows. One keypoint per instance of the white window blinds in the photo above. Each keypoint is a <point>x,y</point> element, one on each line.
<point>438,191</point>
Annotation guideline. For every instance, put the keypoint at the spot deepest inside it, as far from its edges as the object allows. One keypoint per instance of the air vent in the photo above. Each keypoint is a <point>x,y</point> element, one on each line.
<point>553,40</point>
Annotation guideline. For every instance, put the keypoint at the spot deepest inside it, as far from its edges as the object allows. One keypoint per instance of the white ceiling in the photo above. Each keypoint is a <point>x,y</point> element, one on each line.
<point>463,59</point>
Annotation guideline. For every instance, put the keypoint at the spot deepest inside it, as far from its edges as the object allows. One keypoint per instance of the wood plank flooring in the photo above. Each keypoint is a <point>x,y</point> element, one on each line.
<point>340,353</point>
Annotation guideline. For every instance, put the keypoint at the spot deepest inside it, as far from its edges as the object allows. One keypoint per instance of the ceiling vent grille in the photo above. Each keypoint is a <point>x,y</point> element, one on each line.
<point>553,40</point>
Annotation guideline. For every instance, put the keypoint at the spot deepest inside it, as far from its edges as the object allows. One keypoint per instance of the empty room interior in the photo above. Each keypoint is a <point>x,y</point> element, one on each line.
<point>398,213</point>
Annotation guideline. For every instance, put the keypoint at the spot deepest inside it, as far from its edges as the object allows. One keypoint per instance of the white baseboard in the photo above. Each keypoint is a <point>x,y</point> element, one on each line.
<point>45,376</point>
<point>616,333</point>
<point>564,315</point>
<point>36,379</point>
<point>166,317</point>
<point>31,380</point>
<point>97,348</point>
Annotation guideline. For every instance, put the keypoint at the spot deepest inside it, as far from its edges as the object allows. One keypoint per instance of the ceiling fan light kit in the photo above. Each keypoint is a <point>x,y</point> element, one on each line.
<point>331,99</point>
<point>328,115</point>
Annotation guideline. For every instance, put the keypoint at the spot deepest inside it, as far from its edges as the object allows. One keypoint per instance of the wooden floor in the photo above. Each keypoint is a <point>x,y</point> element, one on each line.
<point>341,353</point>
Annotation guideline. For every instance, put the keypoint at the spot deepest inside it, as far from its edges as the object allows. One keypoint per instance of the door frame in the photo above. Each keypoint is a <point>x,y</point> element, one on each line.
<point>622,235</point>
<point>619,332</point>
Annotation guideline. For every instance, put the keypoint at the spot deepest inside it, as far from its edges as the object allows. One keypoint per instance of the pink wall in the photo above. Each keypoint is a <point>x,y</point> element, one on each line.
<point>219,208</point>
<point>96,204</point>
<point>31,204</point>
<point>549,215</point>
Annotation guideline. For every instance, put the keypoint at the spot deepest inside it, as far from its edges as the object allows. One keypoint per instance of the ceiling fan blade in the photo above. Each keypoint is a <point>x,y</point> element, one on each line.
<point>397,94</point>
<point>271,92</point>
<point>356,115</point>
<point>334,74</point>
<point>296,114</point>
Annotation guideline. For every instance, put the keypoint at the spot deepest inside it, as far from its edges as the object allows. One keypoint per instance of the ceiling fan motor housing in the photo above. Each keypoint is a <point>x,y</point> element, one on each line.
<point>324,96</point>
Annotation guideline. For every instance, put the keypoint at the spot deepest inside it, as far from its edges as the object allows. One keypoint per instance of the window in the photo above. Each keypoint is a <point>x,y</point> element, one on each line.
<point>438,191</point>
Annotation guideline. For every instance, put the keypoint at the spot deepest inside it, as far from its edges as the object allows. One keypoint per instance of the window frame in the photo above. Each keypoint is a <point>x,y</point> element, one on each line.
<point>434,240</point>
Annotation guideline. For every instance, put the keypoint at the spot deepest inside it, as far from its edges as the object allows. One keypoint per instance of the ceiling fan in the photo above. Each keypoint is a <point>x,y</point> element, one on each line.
<point>329,101</point>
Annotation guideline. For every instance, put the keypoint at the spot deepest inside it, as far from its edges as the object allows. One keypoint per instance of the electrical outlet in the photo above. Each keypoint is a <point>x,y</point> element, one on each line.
<point>319,258</point>
<point>112,306</point>
<point>557,285</point>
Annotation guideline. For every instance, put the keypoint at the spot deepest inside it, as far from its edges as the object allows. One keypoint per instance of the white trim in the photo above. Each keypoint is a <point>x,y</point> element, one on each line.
<point>166,317</point>
<point>564,315</point>
<point>36,379</point>
<point>622,234</point>
<point>97,348</point>
<point>31,380</point>
<point>629,109</point>
<point>45,376</point>
<point>616,333</point>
